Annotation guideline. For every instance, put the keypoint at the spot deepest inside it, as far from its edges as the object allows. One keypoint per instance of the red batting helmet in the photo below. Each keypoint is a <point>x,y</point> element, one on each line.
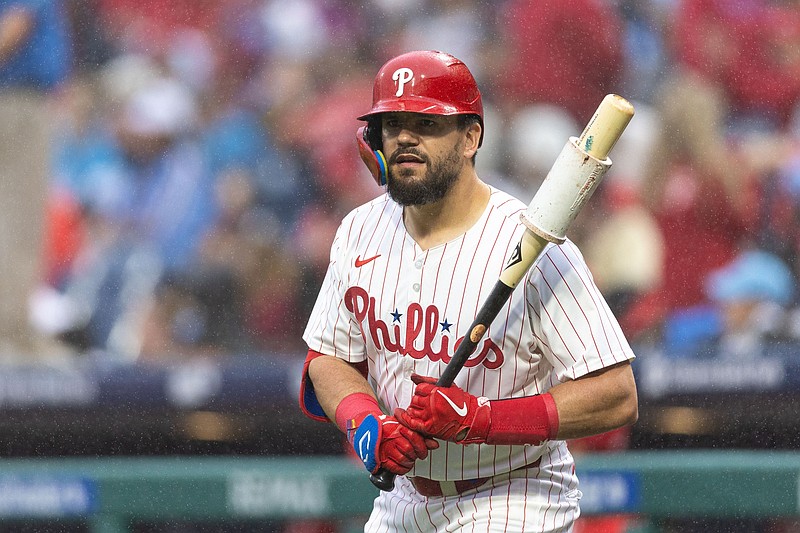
<point>420,82</point>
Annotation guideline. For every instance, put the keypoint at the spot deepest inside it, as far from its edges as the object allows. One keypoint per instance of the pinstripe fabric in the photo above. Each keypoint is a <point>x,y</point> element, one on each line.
<point>539,500</point>
<point>404,309</point>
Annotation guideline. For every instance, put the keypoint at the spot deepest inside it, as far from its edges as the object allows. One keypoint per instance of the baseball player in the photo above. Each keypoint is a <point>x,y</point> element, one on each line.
<point>408,272</point>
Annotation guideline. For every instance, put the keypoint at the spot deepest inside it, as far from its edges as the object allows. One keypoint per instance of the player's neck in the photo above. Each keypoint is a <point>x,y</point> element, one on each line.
<point>434,224</point>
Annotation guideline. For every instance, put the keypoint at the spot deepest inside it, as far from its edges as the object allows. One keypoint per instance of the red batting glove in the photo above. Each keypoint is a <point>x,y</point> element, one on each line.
<point>447,413</point>
<point>379,440</point>
<point>400,446</point>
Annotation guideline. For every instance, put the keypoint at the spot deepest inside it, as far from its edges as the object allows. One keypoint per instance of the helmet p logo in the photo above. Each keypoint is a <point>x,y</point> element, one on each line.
<point>402,76</point>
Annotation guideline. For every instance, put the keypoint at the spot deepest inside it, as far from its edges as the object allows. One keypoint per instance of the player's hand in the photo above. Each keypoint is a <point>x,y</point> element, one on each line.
<point>447,413</point>
<point>382,442</point>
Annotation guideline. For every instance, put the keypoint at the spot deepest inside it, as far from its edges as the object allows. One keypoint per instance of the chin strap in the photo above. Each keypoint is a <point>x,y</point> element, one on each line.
<point>374,159</point>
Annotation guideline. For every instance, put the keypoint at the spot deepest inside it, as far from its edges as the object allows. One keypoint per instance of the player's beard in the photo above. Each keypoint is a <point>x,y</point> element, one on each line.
<point>440,176</point>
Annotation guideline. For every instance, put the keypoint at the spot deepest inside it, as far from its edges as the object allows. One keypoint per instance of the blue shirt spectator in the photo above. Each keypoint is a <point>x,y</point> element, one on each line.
<point>46,60</point>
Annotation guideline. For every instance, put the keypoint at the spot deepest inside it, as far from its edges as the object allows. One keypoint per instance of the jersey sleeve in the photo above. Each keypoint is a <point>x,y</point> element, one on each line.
<point>331,328</point>
<point>572,323</point>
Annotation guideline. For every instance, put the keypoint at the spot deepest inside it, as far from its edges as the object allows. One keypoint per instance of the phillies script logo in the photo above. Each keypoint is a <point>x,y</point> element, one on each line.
<point>421,323</point>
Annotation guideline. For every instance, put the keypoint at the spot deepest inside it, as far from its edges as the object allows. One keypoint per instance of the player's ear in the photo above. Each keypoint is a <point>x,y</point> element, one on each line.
<point>473,133</point>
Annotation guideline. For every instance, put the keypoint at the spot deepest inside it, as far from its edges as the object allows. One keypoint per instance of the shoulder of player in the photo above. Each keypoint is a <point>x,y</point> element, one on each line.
<point>359,227</point>
<point>566,254</point>
<point>558,259</point>
<point>376,209</point>
<point>506,204</point>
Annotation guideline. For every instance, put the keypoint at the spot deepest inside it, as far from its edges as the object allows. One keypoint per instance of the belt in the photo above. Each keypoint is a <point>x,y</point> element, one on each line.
<point>433,488</point>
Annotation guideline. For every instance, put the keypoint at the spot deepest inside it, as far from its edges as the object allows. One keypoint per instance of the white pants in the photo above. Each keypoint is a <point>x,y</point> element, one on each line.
<point>540,500</point>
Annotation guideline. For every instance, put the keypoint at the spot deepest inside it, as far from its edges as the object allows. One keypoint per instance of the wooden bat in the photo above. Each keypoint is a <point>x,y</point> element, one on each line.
<point>569,184</point>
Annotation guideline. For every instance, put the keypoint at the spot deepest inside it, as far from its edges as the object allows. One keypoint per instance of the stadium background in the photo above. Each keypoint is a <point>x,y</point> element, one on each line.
<point>202,156</point>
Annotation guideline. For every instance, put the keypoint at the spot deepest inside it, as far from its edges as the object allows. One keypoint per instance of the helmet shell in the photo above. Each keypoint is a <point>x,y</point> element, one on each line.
<point>429,82</point>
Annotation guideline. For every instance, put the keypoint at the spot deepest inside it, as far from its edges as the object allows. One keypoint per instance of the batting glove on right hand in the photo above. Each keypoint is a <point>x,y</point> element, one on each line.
<point>447,413</point>
<point>382,442</point>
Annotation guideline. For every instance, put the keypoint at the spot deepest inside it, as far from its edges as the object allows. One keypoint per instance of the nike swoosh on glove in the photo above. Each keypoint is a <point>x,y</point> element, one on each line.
<point>447,413</point>
<point>382,442</point>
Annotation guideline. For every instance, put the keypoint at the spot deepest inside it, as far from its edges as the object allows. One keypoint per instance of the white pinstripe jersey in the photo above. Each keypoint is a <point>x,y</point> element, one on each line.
<point>403,309</point>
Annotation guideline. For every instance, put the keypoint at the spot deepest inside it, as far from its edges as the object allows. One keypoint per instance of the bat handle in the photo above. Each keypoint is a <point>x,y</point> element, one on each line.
<point>383,479</point>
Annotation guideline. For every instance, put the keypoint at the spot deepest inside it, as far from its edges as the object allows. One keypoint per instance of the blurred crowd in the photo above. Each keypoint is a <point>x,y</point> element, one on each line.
<point>203,153</point>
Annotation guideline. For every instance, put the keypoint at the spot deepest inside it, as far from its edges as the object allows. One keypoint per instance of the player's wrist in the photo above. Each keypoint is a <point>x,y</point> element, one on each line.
<point>480,424</point>
<point>527,420</point>
<point>353,409</point>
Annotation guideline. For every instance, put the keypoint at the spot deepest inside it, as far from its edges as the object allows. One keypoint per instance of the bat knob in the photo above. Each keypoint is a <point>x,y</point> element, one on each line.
<point>383,479</point>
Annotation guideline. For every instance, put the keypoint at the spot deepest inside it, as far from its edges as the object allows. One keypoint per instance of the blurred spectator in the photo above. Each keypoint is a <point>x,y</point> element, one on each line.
<point>169,191</point>
<point>567,52</point>
<point>698,195</point>
<point>274,308</point>
<point>236,138</point>
<point>152,221</point>
<point>139,26</point>
<point>92,48</point>
<point>775,158</point>
<point>86,169</point>
<point>750,49</point>
<point>536,135</point>
<point>752,295</point>
<point>625,248</point>
<point>192,314</point>
<point>647,29</point>
<point>463,28</point>
<point>246,244</point>
<point>296,30</point>
<point>749,305</point>
<point>35,59</point>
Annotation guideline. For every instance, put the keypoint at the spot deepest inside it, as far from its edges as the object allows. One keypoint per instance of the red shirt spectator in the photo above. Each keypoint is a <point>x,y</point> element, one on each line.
<point>751,48</point>
<point>565,52</point>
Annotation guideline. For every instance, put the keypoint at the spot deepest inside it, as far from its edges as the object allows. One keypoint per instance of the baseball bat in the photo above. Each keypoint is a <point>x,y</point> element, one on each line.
<point>571,181</point>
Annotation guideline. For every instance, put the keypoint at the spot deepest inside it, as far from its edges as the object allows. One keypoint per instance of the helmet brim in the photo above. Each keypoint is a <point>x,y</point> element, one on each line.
<point>416,105</point>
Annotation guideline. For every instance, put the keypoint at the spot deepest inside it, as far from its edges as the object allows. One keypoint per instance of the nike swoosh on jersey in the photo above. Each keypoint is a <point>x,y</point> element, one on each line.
<point>460,411</point>
<point>361,262</point>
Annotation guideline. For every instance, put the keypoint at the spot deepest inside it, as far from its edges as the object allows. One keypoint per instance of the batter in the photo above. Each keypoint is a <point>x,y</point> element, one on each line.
<point>408,273</point>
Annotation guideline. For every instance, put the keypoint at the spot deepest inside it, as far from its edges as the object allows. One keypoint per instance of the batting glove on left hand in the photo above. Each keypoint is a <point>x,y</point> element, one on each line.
<point>447,413</point>
<point>382,442</point>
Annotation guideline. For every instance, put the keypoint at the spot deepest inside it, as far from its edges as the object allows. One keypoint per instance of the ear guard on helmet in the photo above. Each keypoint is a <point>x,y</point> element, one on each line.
<point>371,154</point>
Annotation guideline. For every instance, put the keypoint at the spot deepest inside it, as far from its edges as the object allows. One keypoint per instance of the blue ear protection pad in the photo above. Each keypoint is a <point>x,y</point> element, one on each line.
<point>374,159</point>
